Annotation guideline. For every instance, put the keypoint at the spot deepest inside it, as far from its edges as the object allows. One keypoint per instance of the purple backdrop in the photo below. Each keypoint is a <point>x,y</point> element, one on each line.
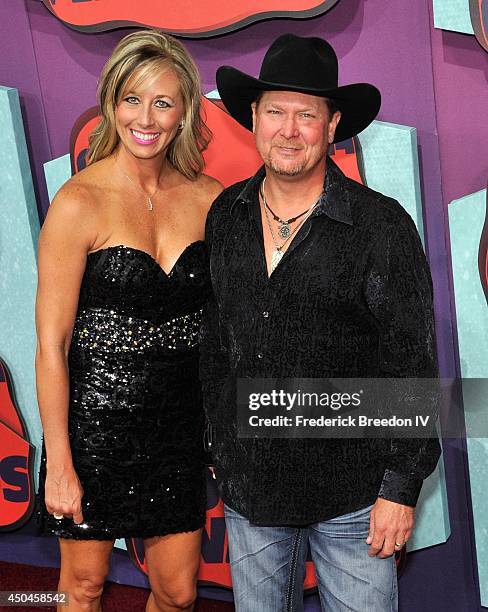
<point>435,81</point>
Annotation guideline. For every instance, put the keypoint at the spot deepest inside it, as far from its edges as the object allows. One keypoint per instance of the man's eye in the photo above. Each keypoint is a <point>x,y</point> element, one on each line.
<point>273,111</point>
<point>307,116</point>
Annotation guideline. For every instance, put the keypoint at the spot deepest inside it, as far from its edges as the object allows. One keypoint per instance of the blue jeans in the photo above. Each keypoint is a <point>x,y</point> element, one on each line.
<point>268,566</point>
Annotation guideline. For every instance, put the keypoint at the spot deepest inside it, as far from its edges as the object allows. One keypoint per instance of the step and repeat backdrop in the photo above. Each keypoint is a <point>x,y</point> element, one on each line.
<point>47,110</point>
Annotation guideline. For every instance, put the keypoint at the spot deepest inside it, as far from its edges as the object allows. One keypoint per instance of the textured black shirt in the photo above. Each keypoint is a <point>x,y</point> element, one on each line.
<point>352,297</point>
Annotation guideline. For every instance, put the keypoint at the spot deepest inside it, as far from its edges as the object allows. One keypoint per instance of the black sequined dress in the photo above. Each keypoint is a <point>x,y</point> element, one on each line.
<point>135,409</point>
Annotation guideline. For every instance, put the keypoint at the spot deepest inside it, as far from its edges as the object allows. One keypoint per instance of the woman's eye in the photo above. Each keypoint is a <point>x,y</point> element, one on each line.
<point>162,104</point>
<point>131,100</point>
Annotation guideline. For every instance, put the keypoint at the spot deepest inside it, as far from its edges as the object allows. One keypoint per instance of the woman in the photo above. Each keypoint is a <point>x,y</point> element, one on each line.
<point>123,275</point>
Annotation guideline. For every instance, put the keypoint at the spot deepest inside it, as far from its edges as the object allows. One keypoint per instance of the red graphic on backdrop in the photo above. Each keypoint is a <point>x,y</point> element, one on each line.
<point>241,160</point>
<point>478,10</point>
<point>195,19</point>
<point>16,460</point>
<point>214,562</point>
<point>78,144</point>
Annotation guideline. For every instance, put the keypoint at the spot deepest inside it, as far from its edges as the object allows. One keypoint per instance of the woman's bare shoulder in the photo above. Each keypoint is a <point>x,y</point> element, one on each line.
<point>83,190</point>
<point>209,184</point>
<point>208,188</point>
<point>76,210</point>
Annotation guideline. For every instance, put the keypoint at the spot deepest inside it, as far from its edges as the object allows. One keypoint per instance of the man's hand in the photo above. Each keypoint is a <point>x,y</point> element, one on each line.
<point>390,527</point>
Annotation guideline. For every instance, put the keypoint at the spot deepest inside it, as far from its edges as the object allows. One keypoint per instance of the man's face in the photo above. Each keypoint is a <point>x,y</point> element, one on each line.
<point>293,131</point>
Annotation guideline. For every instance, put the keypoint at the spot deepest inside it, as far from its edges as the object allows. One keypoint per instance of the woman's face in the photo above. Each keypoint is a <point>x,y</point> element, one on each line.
<point>147,118</point>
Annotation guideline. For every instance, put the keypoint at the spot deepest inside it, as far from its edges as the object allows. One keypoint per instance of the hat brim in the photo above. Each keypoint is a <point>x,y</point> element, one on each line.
<point>359,103</point>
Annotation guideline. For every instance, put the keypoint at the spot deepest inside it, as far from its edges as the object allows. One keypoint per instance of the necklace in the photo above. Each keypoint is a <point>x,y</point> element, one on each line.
<point>148,197</point>
<point>277,254</point>
<point>284,230</point>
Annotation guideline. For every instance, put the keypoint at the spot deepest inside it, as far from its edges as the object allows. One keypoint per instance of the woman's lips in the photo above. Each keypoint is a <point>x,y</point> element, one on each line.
<point>144,138</point>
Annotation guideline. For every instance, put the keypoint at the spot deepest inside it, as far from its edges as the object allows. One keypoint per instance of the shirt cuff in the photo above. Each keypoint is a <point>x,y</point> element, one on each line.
<point>400,488</point>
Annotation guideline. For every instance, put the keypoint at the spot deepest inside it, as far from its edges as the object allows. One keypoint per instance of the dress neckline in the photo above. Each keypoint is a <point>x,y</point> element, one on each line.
<point>149,256</point>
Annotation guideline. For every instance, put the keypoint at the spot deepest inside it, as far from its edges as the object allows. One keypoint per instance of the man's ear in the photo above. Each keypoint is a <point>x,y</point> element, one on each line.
<point>333,123</point>
<point>253,108</point>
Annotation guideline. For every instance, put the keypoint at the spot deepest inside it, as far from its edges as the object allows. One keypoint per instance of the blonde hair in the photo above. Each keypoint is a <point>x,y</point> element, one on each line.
<point>143,55</point>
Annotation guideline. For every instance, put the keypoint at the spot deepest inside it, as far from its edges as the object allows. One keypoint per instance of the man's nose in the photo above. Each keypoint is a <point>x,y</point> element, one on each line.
<point>289,128</point>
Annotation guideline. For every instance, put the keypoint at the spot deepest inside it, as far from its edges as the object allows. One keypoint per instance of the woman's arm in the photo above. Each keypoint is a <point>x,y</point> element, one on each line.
<point>66,237</point>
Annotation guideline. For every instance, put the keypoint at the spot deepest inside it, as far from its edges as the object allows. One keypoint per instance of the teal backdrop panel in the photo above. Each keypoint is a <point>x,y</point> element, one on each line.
<point>432,513</point>
<point>391,166</point>
<point>452,15</point>
<point>466,218</point>
<point>57,172</point>
<point>19,231</point>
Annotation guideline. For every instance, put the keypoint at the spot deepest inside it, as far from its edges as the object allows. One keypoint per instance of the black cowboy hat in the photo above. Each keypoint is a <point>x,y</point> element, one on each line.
<point>306,65</point>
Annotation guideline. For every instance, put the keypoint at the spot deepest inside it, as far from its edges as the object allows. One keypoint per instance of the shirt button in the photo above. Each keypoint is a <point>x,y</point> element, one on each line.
<point>259,355</point>
<point>265,314</point>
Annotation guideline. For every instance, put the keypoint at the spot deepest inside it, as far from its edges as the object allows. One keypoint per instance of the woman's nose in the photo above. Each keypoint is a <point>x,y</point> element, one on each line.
<point>145,118</point>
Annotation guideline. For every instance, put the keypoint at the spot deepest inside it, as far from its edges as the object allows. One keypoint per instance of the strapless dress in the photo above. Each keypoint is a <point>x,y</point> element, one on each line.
<point>135,406</point>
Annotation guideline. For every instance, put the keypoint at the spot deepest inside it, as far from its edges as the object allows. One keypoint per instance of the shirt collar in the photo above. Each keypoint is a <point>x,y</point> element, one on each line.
<point>250,189</point>
<point>333,202</point>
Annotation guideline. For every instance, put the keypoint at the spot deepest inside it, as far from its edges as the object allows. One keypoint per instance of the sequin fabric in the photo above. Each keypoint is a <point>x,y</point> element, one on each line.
<point>135,413</point>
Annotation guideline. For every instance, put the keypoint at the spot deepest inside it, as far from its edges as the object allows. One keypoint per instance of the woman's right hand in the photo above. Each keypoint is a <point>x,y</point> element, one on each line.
<point>63,493</point>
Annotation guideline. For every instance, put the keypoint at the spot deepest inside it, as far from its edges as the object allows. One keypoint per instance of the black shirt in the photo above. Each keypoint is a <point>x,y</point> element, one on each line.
<point>352,297</point>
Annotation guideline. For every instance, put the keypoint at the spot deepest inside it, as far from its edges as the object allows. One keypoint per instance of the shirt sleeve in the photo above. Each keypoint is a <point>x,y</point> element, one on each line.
<point>214,359</point>
<point>398,290</point>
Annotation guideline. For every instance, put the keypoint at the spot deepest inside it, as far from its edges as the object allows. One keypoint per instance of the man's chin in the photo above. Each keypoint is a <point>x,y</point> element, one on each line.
<point>285,169</point>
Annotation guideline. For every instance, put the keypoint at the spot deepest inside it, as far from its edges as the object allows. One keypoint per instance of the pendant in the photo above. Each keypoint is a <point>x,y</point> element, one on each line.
<point>284,230</point>
<point>276,257</point>
<point>149,202</point>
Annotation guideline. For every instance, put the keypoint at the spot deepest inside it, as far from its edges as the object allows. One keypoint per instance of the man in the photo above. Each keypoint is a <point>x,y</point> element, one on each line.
<point>314,276</point>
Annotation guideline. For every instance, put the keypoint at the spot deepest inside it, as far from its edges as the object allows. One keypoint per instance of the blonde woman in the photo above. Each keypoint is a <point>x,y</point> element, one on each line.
<point>123,275</point>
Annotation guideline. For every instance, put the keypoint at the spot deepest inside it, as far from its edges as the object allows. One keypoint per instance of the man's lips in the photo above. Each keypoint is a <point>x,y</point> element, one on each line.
<point>287,150</point>
<point>144,138</point>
